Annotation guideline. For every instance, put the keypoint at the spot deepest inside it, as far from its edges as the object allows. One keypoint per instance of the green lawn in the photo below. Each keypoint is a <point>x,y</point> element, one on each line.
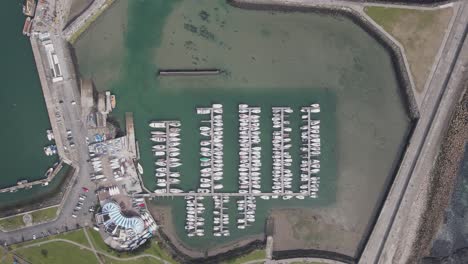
<point>99,244</point>
<point>44,215</point>
<point>15,222</point>
<point>12,223</point>
<point>75,236</point>
<point>144,260</point>
<point>57,253</point>
<point>254,255</point>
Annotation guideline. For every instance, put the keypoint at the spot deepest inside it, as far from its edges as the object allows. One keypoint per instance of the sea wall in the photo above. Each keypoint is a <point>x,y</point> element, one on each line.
<point>181,257</point>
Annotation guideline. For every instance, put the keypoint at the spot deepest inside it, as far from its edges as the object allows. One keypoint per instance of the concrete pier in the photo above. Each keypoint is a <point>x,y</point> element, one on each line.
<point>28,185</point>
<point>49,100</point>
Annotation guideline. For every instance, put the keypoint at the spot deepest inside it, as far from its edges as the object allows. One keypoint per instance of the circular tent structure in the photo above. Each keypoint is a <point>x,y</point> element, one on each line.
<point>117,218</point>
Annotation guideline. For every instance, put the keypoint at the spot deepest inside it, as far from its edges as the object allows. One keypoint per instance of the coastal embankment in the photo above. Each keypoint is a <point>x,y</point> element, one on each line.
<point>438,234</point>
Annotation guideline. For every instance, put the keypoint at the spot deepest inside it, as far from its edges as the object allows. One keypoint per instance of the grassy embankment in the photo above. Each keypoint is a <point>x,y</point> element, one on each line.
<point>57,253</point>
<point>254,255</point>
<point>15,222</point>
<point>421,33</point>
<point>90,21</point>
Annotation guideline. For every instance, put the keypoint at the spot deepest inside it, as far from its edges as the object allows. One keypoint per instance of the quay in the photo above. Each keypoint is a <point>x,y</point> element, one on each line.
<point>197,194</point>
<point>188,72</point>
<point>28,185</point>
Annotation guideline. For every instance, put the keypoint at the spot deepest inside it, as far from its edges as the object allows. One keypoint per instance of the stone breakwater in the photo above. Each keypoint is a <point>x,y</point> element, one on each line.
<point>396,55</point>
<point>446,191</point>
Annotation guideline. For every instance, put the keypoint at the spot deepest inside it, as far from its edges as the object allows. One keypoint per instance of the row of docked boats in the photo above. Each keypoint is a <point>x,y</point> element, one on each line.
<point>282,159</point>
<point>246,208</point>
<point>166,149</point>
<point>211,149</point>
<point>250,149</point>
<point>194,221</point>
<point>310,151</point>
<point>220,216</point>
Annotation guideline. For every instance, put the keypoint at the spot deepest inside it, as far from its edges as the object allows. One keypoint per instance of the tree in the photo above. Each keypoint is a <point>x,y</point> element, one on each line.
<point>44,252</point>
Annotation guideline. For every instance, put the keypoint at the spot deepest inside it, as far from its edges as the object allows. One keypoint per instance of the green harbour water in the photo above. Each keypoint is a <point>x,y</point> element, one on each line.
<point>269,59</point>
<point>24,116</point>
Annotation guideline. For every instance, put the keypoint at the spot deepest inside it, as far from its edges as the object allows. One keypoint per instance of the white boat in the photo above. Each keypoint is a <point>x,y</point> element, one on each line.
<point>160,191</point>
<point>159,153</point>
<point>161,184</point>
<point>158,133</point>
<point>203,128</point>
<point>159,147</point>
<point>158,139</point>
<point>157,125</point>
<point>174,124</point>
<point>175,190</point>
<point>140,168</point>
<point>175,165</point>
<point>205,185</point>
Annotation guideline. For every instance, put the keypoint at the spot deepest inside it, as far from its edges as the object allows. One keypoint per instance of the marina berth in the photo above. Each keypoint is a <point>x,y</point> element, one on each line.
<point>167,139</point>
<point>282,159</point>
<point>211,161</point>
<point>311,147</point>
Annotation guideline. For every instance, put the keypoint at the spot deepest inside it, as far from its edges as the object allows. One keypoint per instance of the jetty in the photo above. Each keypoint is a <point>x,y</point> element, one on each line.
<point>188,72</point>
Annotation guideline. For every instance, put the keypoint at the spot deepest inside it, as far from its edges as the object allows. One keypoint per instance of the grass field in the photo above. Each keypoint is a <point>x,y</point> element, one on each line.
<point>57,253</point>
<point>12,223</point>
<point>145,260</point>
<point>15,222</point>
<point>75,236</point>
<point>44,215</point>
<point>419,31</point>
<point>254,255</point>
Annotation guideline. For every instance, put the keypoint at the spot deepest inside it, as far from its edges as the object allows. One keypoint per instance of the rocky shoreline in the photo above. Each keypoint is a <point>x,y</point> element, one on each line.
<point>445,178</point>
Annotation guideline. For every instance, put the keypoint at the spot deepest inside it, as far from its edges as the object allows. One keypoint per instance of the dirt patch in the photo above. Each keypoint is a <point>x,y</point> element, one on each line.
<point>421,33</point>
<point>308,229</point>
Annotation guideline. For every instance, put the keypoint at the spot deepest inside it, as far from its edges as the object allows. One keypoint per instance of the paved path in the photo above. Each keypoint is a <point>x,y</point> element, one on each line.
<point>92,245</point>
